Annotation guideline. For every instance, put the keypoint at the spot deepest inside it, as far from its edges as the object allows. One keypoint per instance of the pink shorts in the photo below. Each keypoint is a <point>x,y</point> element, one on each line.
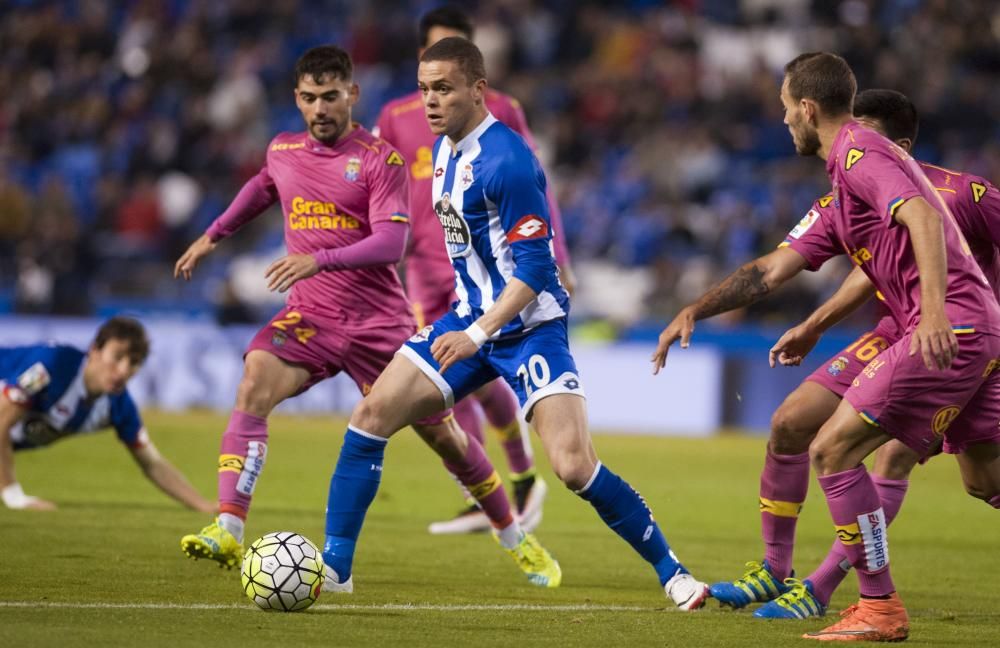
<point>839,372</point>
<point>324,345</point>
<point>430,287</point>
<point>897,393</point>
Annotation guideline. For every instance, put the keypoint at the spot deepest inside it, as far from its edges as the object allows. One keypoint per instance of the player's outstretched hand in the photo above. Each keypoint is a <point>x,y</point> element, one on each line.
<point>681,328</point>
<point>793,346</point>
<point>283,273</point>
<point>185,265</point>
<point>935,340</point>
<point>453,347</point>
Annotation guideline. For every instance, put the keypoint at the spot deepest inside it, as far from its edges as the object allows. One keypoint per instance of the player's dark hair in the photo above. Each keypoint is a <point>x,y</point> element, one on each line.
<point>460,50</point>
<point>322,62</point>
<point>448,16</point>
<point>823,77</point>
<point>892,109</point>
<point>128,330</point>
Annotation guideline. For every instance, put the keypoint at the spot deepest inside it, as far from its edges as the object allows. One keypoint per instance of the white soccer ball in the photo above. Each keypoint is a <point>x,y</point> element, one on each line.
<point>282,571</point>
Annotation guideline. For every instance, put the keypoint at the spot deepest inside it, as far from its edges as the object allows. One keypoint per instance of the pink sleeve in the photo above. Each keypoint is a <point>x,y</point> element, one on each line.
<point>257,194</point>
<point>388,187</point>
<point>811,238</point>
<point>384,246</point>
<point>879,178</point>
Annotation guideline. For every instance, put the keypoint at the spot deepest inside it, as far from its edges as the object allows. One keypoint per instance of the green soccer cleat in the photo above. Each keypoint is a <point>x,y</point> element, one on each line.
<point>537,563</point>
<point>215,543</point>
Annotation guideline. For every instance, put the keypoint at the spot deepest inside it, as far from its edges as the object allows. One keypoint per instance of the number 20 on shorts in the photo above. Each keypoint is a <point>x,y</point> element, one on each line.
<point>291,318</point>
<point>535,373</point>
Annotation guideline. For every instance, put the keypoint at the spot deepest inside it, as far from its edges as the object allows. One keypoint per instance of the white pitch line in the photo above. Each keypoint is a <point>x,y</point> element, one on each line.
<point>386,607</point>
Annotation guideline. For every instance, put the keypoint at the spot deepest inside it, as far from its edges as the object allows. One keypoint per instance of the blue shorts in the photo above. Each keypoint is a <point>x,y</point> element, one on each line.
<point>536,364</point>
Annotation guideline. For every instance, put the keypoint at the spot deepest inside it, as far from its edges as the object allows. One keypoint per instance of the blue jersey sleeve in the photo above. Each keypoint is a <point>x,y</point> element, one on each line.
<point>125,419</point>
<point>27,372</point>
<point>517,188</point>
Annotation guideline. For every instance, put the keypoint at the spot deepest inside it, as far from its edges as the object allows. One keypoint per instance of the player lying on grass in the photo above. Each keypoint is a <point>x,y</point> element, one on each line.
<point>430,279</point>
<point>53,392</point>
<point>509,322</point>
<point>937,379</point>
<point>975,204</point>
<point>343,193</point>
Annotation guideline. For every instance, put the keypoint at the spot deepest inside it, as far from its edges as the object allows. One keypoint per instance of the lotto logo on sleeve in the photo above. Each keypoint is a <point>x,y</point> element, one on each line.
<point>529,227</point>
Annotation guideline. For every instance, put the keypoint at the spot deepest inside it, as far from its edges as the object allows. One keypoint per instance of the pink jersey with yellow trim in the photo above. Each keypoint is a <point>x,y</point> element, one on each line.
<point>872,178</point>
<point>330,197</point>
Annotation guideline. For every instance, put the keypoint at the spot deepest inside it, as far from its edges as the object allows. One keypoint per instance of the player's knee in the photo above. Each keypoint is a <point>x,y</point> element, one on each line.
<point>367,416</point>
<point>573,469</point>
<point>788,435</point>
<point>253,395</point>
<point>823,457</point>
<point>894,461</point>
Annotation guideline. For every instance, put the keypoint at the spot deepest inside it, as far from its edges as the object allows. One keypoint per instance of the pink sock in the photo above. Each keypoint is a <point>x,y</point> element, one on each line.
<point>835,566</point>
<point>244,449</point>
<point>500,406</point>
<point>469,418</point>
<point>477,474</point>
<point>861,528</point>
<point>783,487</point>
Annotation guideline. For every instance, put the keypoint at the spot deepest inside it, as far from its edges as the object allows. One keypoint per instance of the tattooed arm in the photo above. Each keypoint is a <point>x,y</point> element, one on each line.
<point>748,284</point>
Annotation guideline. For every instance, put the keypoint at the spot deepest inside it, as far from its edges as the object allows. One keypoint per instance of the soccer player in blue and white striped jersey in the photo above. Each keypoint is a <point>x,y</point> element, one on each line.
<point>509,322</point>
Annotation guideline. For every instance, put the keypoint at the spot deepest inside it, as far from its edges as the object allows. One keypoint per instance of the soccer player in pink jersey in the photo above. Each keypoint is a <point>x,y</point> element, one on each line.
<point>430,278</point>
<point>936,380</point>
<point>343,193</point>
<point>975,204</point>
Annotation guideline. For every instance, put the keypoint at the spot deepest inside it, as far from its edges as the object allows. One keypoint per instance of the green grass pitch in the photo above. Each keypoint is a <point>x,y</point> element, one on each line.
<point>107,570</point>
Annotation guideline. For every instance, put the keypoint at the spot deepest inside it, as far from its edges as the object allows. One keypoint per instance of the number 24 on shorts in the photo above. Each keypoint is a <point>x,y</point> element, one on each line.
<point>291,318</point>
<point>535,374</point>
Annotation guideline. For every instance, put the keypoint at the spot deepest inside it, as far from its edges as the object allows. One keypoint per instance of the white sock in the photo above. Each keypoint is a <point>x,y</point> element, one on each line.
<point>232,524</point>
<point>510,536</point>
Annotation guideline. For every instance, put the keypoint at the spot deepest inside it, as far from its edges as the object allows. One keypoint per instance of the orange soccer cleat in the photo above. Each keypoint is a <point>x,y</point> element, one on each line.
<point>868,620</point>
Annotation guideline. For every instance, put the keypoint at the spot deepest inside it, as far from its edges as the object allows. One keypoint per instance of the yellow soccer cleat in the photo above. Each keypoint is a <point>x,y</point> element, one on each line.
<point>537,563</point>
<point>215,543</point>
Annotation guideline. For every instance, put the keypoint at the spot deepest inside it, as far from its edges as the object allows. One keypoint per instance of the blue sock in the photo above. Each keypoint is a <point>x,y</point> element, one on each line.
<point>624,510</point>
<point>352,489</point>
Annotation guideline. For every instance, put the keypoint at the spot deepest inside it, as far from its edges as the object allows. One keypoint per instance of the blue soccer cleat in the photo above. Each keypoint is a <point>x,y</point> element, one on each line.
<point>798,602</point>
<point>757,585</point>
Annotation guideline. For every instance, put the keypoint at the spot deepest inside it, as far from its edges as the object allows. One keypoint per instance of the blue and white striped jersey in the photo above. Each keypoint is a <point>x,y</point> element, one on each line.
<point>48,381</point>
<point>489,193</point>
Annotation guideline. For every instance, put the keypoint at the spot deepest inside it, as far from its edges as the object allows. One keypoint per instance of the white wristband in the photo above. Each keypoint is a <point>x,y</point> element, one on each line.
<point>14,497</point>
<point>477,335</point>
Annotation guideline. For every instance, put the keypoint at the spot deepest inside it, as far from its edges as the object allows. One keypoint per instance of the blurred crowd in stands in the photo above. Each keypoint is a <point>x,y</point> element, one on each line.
<point>126,127</point>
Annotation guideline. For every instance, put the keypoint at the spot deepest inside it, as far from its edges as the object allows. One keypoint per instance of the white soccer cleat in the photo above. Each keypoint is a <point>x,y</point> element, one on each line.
<point>686,592</point>
<point>469,520</point>
<point>530,512</point>
<point>331,582</point>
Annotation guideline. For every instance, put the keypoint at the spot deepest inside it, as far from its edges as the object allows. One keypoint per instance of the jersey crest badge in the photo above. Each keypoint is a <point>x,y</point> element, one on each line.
<point>466,177</point>
<point>457,235</point>
<point>853,155</point>
<point>353,169</point>
<point>394,159</point>
<point>978,191</point>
